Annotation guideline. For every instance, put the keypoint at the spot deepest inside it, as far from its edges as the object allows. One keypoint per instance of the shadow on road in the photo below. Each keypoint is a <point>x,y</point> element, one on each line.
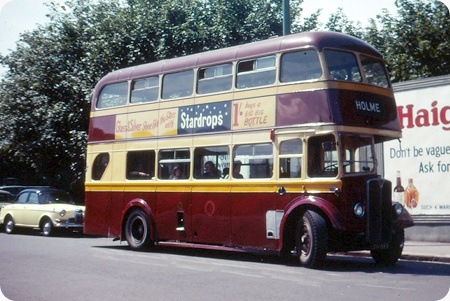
<point>334,262</point>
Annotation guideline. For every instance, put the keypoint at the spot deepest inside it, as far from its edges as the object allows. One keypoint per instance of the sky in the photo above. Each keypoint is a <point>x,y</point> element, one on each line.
<point>17,16</point>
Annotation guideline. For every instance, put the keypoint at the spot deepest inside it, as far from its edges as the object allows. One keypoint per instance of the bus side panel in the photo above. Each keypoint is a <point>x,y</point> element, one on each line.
<point>116,205</point>
<point>96,217</point>
<point>173,215</point>
<point>248,219</point>
<point>211,218</point>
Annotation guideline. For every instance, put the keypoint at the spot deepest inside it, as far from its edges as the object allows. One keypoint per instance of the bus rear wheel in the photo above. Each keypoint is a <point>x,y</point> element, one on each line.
<point>311,239</point>
<point>137,230</point>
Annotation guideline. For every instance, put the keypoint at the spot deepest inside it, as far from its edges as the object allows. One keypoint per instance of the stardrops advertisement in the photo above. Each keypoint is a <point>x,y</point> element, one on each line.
<point>420,161</point>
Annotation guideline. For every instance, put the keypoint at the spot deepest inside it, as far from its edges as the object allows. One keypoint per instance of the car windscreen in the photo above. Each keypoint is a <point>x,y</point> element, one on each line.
<point>55,197</point>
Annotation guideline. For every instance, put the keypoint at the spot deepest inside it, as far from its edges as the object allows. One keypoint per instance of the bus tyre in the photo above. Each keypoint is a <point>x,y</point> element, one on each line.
<point>311,239</point>
<point>137,230</point>
<point>391,255</point>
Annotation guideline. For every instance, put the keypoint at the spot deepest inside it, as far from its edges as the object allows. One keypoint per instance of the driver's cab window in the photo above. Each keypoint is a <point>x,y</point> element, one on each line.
<point>322,156</point>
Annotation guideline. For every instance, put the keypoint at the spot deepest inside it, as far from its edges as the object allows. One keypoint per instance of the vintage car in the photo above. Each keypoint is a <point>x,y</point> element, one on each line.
<point>46,209</point>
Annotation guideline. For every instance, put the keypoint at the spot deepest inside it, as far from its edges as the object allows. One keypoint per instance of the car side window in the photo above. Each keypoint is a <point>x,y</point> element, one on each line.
<point>23,198</point>
<point>33,199</point>
<point>46,198</point>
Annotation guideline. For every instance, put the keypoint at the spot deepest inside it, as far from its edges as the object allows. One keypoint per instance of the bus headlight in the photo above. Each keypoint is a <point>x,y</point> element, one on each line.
<point>359,210</point>
<point>398,209</point>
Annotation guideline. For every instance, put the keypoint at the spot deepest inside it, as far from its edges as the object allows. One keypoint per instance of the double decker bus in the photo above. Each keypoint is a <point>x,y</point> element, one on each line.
<point>267,146</point>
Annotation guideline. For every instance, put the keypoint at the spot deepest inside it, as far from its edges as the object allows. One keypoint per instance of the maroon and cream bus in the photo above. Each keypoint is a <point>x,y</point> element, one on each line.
<point>267,146</point>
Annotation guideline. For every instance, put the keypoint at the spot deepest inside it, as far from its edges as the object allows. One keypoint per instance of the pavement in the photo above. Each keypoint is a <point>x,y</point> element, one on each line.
<point>422,251</point>
<point>427,251</point>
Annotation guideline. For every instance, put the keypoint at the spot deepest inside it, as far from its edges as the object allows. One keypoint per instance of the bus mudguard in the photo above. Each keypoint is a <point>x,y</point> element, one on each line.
<point>144,206</point>
<point>299,205</point>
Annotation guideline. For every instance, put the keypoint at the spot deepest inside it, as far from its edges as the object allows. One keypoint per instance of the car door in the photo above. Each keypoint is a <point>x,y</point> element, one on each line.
<point>32,210</point>
<point>17,209</point>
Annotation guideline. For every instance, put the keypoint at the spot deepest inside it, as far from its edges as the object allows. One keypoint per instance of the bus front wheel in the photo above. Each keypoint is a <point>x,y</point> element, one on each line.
<point>137,230</point>
<point>311,239</point>
<point>392,254</point>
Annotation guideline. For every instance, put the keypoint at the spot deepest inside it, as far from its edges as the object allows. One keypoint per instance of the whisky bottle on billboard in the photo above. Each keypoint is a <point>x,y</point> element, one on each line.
<point>411,195</point>
<point>399,191</point>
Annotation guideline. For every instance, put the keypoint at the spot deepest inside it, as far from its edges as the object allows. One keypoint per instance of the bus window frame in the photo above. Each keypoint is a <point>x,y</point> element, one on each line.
<point>221,77</point>
<point>173,161</point>
<point>252,167</point>
<point>326,167</point>
<point>288,156</point>
<point>176,83</point>
<point>369,78</point>
<point>204,154</point>
<point>132,89</point>
<point>99,168</point>
<point>99,103</point>
<point>137,170</point>
<point>282,71</point>
<point>255,82</point>
<point>330,69</point>
<point>351,163</point>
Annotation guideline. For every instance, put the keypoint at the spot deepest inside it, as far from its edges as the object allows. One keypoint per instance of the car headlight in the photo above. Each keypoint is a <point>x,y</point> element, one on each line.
<point>62,212</point>
<point>359,210</point>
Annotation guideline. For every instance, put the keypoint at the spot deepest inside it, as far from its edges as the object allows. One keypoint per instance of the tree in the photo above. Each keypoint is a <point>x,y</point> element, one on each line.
<point>339,22</point>
<point>416,43</point>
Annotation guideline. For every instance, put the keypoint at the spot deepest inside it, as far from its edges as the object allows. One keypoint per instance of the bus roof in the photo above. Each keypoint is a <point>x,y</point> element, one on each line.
<point>318,40</point>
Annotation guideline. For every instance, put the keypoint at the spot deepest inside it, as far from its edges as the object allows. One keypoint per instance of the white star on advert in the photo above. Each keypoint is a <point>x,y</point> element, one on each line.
<point>2,297</point>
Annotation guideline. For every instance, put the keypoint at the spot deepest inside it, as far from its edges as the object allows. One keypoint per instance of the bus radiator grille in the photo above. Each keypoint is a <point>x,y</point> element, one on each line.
<point>378,207</point>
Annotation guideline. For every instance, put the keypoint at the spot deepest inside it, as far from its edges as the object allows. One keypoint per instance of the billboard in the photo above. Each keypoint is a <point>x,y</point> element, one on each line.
<point>421,159</point>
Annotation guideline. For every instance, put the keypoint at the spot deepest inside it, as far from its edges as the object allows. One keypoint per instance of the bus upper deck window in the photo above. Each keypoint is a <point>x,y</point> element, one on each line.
<point>113,95</point>
<point>145,89</point>
<point>256,72</point>
<point>178,84</point>
<point>299,66</point>
<point>342,66</point>
<point>215,79</point>
<point>374,71</point>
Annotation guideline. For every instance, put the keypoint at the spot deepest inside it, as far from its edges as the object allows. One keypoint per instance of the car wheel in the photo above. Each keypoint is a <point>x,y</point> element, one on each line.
<point>9,225</point>
<point>311,239</point>
<point>47,227</point>
<point>137,230</point>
